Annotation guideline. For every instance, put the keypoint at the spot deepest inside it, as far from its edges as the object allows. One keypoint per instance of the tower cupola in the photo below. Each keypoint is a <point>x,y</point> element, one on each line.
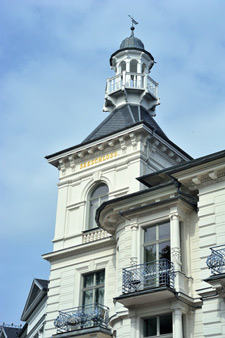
<point>131,83</point>
<point>132,42</point>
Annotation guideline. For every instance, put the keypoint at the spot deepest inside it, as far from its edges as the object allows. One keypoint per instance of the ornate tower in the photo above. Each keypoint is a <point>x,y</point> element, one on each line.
<point>131,83</point>
<point>127,144</point>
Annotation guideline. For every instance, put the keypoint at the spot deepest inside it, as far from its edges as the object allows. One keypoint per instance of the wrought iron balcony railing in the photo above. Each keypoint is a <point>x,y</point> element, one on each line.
<point>82,317</point>
<point>149,275</point>
<point>216,261</point>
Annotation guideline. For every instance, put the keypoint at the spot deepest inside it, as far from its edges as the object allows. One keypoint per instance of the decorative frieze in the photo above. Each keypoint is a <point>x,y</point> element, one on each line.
<point>72,162</point>
<point>91,151</point>
<point>111,143</point>
<point>123,145</point>
<point>133,141</point>
<point>101,147</point>
<point>213,174</point>
<point>62,166</point>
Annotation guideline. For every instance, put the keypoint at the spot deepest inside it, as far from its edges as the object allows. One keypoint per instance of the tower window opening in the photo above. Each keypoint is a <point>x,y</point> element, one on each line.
<point>133,66</point>
<point>98,195</point>
<point>122,66</point>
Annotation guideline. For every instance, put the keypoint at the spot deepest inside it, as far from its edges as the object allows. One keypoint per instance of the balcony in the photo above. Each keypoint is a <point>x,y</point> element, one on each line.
<point>149,282</point>
<point>216,261</point>
<point>83,320</point>
<point>149,275</point>
<point>132,80</point>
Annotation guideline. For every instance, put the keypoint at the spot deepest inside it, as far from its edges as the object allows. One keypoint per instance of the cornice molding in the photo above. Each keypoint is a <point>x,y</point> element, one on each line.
<point>78,249</point>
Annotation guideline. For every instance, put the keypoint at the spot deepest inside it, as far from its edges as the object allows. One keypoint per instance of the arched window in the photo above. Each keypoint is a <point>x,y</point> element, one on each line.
<point>122,66</point>
<point>98,195</point>
<point>133,66</point>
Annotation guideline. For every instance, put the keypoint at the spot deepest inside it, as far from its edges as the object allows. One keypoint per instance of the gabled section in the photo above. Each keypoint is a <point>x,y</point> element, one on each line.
<point>37,292</point>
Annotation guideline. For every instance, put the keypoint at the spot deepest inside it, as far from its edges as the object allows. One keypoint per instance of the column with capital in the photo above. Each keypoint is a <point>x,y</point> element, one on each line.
<point>133,259</point>
<point>175,241</point>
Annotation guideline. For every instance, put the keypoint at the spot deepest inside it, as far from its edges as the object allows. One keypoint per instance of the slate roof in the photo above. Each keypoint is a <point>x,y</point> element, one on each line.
<point>11,332</point>
<point>122,118</point>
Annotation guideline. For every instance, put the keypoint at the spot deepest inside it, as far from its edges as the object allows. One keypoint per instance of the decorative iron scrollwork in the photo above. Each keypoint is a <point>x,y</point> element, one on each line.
<point>82,317</point>
<point>216,261</point>
<point>149,275</point>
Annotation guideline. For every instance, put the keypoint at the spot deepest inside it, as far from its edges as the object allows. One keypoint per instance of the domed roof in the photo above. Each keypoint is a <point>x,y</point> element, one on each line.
<point>132,42</point>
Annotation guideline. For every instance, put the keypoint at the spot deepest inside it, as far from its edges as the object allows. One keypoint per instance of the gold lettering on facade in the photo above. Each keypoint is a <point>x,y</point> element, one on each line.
<point>99,160</point>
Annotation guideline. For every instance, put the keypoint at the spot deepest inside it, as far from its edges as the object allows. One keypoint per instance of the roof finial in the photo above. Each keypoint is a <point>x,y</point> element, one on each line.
<point>133,22</point>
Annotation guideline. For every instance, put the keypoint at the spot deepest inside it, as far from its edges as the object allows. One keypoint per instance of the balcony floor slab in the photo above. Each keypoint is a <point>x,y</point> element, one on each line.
<point>146,296</point>
<point>98,332</point>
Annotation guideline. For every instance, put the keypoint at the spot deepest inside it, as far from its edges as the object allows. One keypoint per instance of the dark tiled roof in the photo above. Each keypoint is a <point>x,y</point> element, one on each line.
<point>11,332</point>
<point>122,118</point>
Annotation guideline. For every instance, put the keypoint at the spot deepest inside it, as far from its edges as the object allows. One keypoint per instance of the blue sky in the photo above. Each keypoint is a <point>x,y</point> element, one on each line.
<point>54,61</point>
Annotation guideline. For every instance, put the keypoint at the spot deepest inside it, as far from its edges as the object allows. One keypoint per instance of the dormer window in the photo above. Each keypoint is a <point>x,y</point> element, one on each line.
<point>98,195</point>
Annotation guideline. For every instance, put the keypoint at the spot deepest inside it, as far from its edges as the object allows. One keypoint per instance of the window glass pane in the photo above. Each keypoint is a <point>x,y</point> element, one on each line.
<point>164,250</point>
<point>93,207</point>
<point>103,199</point>
<point>166,324</point>
<point>150,253</point>
<point>100,277</point>
<point>93,288</point>
<point>164,230</point>
<point>99,295</point>
<point>100,191</point>
<point>88,280</point>
<point>87,297</point>
<point>150,327</point>
<point>150,234</point>
<point>98,195</point>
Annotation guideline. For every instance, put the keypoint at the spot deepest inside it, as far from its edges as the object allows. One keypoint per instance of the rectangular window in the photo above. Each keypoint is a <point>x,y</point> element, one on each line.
<point>158,326</point>
<point>157,255</point>
<point>157,242</point>
<point>93,288</point>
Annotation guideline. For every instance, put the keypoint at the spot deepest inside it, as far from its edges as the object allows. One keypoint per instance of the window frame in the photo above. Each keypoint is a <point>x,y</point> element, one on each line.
<point>157,241</point>
<point>93,287</point>
<point>158,334</point>
<point>89,199</point>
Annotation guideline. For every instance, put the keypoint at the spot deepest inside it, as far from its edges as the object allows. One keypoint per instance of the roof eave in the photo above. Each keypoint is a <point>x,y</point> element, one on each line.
<point>51,157</point>
<point>184,166</point>
<point>130,48</point>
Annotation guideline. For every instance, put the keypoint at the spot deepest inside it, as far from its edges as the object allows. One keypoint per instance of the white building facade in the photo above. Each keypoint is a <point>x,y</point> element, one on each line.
<point>136,219</point>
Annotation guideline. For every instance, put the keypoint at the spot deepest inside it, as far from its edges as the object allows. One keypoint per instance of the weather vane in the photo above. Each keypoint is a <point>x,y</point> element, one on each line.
<point>133,22</point>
